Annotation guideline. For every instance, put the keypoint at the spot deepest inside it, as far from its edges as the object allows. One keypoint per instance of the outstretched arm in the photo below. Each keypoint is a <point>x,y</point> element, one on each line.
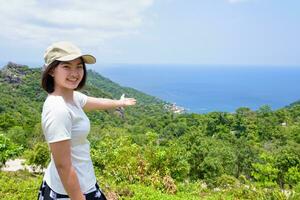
<point>103,103</point>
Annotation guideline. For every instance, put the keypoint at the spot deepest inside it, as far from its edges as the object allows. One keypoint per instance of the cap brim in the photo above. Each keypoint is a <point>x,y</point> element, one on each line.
<point>88,59</point>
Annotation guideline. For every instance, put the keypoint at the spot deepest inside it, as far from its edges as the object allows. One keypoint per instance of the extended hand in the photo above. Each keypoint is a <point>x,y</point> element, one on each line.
<point>127,101</point>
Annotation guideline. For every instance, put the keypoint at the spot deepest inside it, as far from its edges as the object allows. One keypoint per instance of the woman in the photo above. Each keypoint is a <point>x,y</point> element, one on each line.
<point>70,173</point>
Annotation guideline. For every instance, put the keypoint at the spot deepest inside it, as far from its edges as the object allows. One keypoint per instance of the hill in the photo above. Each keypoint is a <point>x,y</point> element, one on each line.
<point>20,81</point>
<point>153,153</point>
<point>294,104</point>
<point>22,98</point>
<point>115,90</point>
<point>18,75</point>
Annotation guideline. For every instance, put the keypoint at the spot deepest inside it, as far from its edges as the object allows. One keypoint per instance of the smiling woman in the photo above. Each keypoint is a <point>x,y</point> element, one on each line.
<point>70,173</point>
<point>71,71</point>
<point>63,72</point>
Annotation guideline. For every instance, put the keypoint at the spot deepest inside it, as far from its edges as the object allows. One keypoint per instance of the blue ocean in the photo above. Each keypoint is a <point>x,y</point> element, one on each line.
<point>203,89</point>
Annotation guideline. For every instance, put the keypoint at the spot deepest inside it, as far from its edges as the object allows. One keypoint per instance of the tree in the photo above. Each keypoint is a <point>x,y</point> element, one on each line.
<point>39,157</point>
<point>264,172</point>
<point>18,135</point>
<point>267,123</point>
<point>287,160</point>
<point>246,154</point>
<point>245,123</point>
<point>8,149</point>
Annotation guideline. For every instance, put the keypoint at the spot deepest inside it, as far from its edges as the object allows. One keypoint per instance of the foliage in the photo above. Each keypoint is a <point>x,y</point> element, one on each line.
<point>265,173</point>
<point>8,149</point>
<point>154,153</point>
<point>19,185</point>
<point>39,157</point>
<point>26,185</point>
<point>18,135</point>
<point>292,176</point>
<point>225,181</point>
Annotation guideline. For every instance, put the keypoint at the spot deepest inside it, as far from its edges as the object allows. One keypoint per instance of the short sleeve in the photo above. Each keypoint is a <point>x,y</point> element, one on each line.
<point>57,124</point>
<point>80,98</point>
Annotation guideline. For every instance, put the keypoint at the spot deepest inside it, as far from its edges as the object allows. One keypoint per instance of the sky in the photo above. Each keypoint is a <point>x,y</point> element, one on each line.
<point>195,32</point>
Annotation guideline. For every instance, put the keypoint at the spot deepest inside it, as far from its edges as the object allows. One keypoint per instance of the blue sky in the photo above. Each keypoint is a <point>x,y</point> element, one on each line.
<point>200,32</point>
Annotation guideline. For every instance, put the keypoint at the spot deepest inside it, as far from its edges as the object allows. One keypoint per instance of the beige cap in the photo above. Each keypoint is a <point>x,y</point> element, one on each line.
<point>65,51</point>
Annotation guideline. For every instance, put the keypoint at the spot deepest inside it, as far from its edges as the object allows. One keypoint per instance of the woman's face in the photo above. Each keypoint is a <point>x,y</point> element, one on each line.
<point>68,74</point>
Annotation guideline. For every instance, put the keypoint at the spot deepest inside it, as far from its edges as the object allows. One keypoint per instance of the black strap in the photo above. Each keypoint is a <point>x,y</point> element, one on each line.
<point>97,186</point>
<point>46,190</point>
<point>56,194</point>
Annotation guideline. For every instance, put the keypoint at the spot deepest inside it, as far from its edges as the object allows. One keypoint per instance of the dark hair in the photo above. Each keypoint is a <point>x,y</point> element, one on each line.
<point>48,80</point>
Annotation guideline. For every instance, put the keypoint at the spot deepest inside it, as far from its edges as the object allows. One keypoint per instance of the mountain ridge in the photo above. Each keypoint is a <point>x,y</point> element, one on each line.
<point>22,98</point>
<point>18,74</point>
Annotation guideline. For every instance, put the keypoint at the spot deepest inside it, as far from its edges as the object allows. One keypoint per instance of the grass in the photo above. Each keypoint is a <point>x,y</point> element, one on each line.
<point>19,185</point>
<point>25,185</point>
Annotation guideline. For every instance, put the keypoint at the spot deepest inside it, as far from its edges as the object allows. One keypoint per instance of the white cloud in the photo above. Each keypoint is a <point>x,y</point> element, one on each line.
<point>89,22</point>
<point>237,1</point>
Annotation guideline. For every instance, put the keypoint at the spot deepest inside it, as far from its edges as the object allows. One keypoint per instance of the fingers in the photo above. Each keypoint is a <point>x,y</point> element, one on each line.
<point>130,101</point>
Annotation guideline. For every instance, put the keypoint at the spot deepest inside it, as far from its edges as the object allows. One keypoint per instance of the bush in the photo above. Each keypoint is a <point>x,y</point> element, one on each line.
<point>117,157</point>
<point>19,185</point>
<point>39,157</point>
<point>8,149</point>
<point>265,173</point>
<point>297,191</point>
<point>169,185</point>
<point>18,135</point>
<point>226,181</point>
<point>292,177</point>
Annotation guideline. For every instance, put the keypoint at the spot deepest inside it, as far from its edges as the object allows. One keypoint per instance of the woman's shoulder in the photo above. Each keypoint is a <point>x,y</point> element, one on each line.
<point>79,95</point>
<point>54,103</point>
<point>80,98</point>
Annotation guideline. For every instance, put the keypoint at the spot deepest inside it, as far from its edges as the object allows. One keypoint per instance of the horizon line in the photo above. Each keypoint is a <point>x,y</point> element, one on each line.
<point>113,64</point>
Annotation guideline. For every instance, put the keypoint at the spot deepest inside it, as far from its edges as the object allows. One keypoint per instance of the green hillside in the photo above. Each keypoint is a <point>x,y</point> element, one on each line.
<point>115,90</point>
<point>294,104</point>
<point>22,97</point>
<point>154,153</point>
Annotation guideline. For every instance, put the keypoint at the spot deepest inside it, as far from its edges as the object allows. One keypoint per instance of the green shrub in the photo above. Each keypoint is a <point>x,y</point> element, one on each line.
<point>297,191</point>
<point>8,149</point>
<point>226,181</point>
<point>19,185</point>
<point>117,157</point>
<point>18,135</point>
<point>39,157</point>
<point>292,177</point>
<point>265,173</point>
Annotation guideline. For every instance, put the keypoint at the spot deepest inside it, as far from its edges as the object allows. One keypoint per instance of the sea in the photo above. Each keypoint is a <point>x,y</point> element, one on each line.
<point>208,88</point>
<point>203,89</point>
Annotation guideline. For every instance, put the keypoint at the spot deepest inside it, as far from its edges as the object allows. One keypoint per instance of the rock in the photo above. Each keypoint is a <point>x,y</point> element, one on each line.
<point>13,73</point>
<point>18,164</point>
<point>111,196</point>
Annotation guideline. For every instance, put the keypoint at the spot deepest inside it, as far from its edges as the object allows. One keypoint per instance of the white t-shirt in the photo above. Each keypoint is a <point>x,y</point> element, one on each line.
<point>65,121</point>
